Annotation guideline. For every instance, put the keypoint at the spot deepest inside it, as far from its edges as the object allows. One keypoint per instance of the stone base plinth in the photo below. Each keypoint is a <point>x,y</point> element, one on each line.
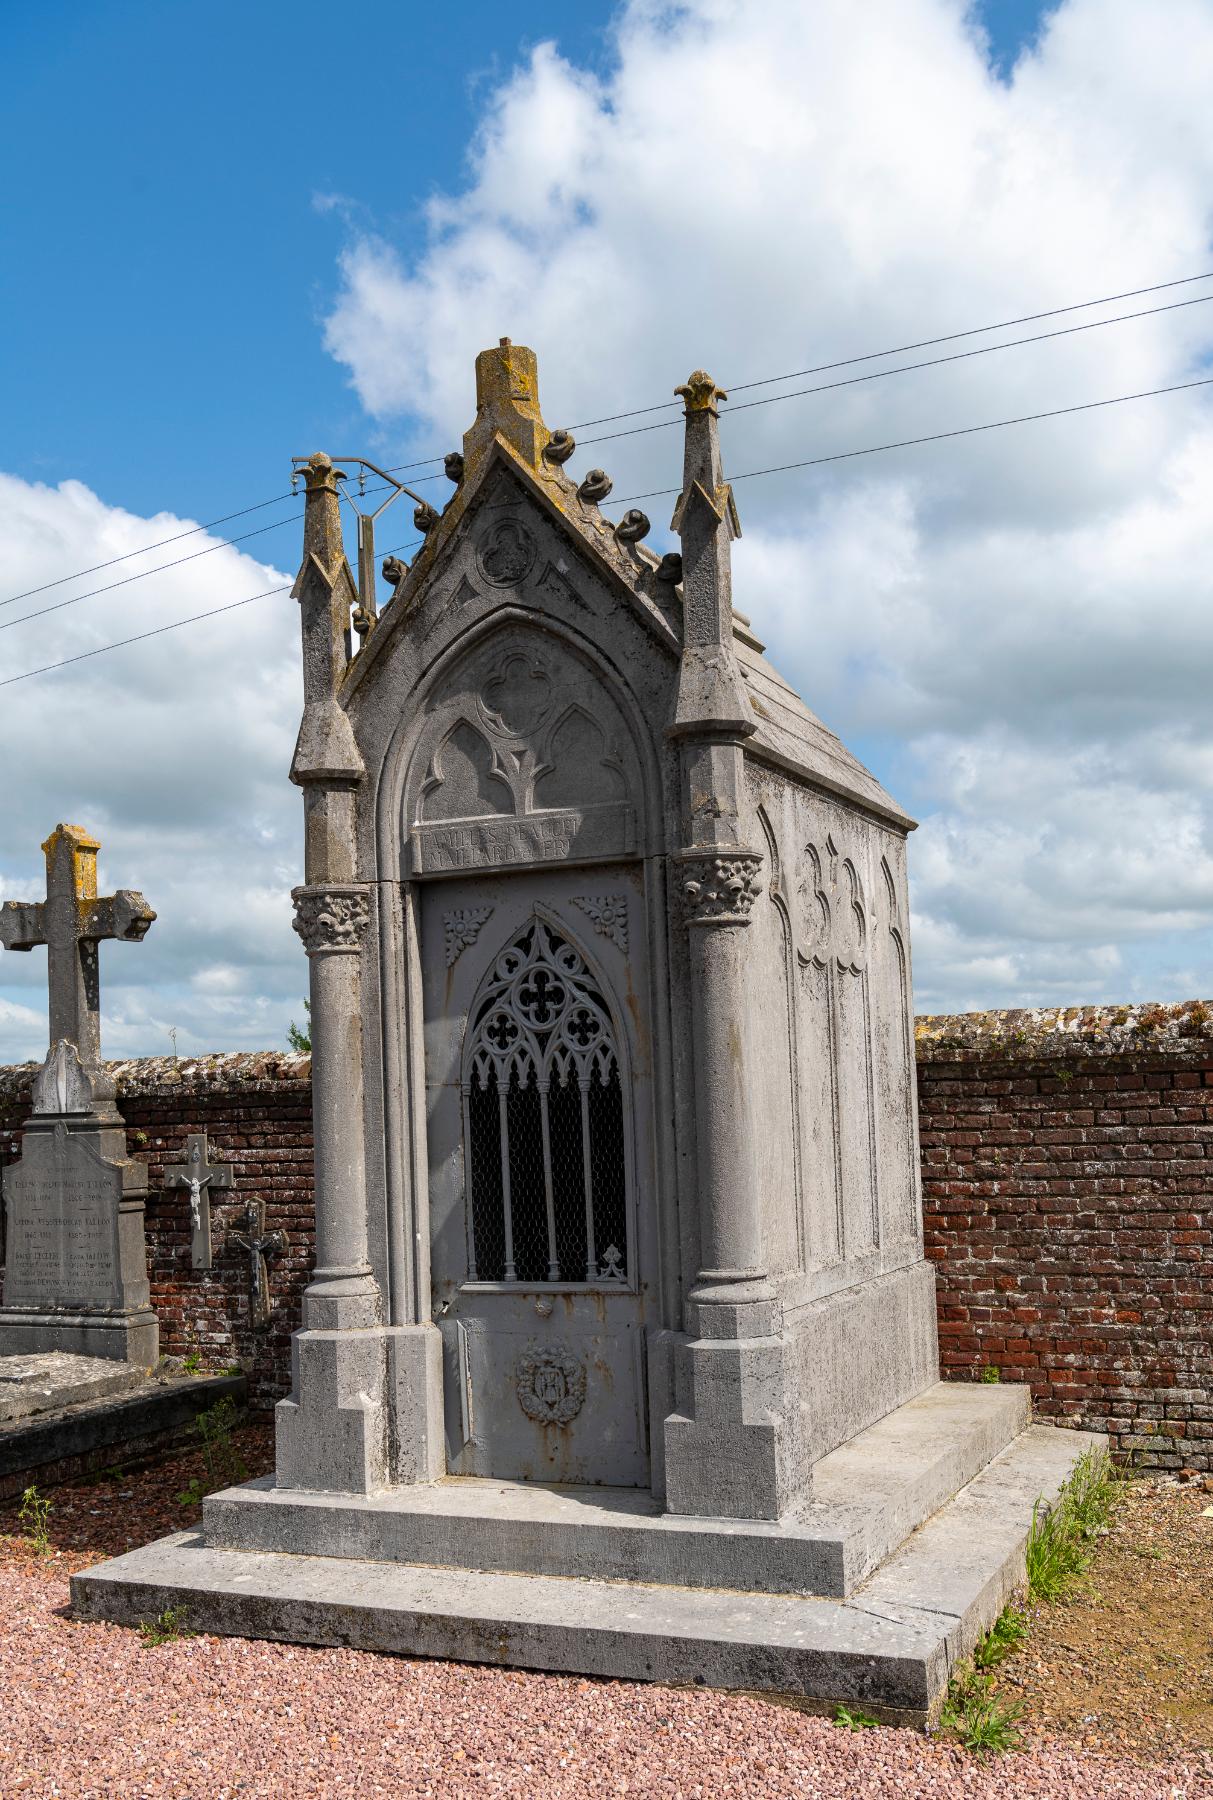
<point>868,1496</point>
<point>890,1646</point>
<point>130,1337</point>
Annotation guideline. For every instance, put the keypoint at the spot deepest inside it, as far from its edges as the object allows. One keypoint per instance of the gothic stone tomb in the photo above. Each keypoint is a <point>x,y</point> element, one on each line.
<point>619,1276</point>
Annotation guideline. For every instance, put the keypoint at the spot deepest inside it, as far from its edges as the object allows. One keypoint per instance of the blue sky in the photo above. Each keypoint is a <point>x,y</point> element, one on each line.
<point>236,235</point>
<point>169,261</point>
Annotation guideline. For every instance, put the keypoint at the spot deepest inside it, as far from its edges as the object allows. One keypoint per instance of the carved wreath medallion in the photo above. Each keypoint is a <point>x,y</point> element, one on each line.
<point>551,1384</point>
<point>720,889</point>
<point>506,553</point>
<point>331,918</point>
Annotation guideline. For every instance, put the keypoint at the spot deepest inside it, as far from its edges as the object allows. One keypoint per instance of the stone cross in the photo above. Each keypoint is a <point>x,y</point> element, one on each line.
<point>260,1245</point>
<point>200,1177</point>
<point>71,922</point>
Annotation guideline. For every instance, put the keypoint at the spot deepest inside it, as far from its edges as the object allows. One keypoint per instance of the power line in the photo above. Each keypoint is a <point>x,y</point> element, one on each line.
<point>43,612</point>
<point>175,625</point>
<point>811,462</point>
<point>667,405</point>
<point>740,387</point>
<point>127,554</point>
<point>933,437</point>
<point>665,424</point>
<point>931,362</point>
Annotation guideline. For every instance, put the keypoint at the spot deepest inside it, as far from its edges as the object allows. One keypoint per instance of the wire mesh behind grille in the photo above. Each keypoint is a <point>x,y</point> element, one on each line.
<point>541,1034</point>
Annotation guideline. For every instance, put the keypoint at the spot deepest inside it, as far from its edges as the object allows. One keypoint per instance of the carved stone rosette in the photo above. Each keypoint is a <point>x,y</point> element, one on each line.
<point>719,887</point>
<point>332,920</point>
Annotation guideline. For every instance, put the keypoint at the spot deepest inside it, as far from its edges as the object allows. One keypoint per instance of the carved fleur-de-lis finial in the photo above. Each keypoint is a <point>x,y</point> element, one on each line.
<point>700,392</point>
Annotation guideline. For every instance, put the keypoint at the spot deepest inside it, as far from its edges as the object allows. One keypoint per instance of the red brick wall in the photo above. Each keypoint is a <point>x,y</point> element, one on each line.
<point>1067,1164</point>
<point>1066,1190</point>
<point>257,1111</point>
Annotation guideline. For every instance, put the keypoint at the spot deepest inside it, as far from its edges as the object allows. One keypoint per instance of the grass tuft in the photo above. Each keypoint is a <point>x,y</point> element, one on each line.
<point>973,1711</point>
<point>34,1513</point>
<point>1062,1537</point>
<point>1003,1639</point>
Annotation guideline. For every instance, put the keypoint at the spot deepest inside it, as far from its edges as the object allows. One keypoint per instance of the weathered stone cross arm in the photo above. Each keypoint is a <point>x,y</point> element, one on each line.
<point>125,915</point>
<point>71,922</point>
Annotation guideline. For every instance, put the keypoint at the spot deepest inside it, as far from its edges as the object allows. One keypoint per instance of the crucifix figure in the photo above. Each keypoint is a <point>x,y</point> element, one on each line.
<point>260,1245</point>
<point>200,1176</point>
<point>71,922</point>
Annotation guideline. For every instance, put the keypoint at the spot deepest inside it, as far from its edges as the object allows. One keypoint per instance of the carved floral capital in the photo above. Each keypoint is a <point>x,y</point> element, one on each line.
<point>719,887</point>
<point>332,918</point>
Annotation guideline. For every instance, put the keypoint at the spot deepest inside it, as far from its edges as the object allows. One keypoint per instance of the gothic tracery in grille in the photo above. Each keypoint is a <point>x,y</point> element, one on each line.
<point>543,1116</point>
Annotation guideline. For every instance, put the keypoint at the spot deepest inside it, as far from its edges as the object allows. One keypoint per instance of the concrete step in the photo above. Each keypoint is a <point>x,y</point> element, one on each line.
<point>890,1646</point>
<point>867,1497</point>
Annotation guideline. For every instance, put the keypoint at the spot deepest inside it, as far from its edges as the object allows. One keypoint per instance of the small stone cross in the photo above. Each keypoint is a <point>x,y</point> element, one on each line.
<point>200,1176</point>
<point>260,1244</point>
<point>71,922</point>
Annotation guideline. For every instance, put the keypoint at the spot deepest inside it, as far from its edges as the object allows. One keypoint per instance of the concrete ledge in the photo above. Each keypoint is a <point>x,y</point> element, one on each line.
<point>868,1496</point>
<point>891,1646</point>
<point>157,1415</point>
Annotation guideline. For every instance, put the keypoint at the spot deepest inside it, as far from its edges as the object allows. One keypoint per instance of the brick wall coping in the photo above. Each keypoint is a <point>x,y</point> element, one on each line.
<point>1010,1034</point>
<point>1179,1029</point>
<point>236,1072</point>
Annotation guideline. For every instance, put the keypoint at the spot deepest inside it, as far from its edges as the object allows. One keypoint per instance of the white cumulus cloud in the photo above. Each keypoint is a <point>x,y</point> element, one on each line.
<point>173,752</point>
<point>1014,626</point>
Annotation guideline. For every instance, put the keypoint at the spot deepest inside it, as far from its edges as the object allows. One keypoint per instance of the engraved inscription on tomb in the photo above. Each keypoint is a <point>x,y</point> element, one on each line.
<point>62,1213</point>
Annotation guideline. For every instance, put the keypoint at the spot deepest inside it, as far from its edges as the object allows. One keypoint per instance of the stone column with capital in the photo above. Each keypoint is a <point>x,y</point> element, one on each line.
<point>733,1447</point>
<point>332,1431</point>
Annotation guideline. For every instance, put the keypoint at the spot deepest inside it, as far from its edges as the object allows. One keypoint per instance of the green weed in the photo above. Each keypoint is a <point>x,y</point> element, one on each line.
<point>979,1718</point>
<point>34,1513</point>
<point>191,1362</point>
<point>1062,1537</point>
<point>167,1628</point>
<point>1003,1639</point>
<point>990,1373</point>
<point>854,1720</point>
<point>224,1463</point>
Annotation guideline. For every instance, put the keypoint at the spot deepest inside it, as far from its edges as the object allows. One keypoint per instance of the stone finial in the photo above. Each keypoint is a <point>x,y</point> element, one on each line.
<point>507,405</point>
<point>699,392</point>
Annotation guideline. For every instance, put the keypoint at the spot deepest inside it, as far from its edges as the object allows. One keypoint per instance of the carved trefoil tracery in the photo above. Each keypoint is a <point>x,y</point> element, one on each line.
<point>461,928</point>
<point>544,1111</point>
<point>332,919</point>
<point>719,887</point>
<point>523,758</point>
<point>609,913</point>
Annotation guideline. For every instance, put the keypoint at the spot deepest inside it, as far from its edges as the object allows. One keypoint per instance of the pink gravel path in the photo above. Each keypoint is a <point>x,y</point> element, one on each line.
<point>89,1710</point>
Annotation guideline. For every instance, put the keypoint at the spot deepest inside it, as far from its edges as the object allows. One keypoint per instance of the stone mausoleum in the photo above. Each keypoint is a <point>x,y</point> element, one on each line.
<point>619,1354</point>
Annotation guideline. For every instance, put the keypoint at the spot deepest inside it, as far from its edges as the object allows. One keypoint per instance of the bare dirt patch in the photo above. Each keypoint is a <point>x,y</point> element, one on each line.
<point>1125,1665</point>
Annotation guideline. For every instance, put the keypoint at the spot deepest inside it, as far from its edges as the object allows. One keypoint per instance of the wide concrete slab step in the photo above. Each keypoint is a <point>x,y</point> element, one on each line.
<point>890,1646</point>
<point>867,1497</point>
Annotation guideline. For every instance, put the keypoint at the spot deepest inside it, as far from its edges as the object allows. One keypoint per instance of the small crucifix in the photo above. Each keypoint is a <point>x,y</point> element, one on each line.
<point>200,1176</point>
<point>260,1245</point>
<point>71,922</point>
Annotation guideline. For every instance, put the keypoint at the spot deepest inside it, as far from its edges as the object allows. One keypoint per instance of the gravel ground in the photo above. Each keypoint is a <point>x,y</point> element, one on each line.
<point>91,1710</point>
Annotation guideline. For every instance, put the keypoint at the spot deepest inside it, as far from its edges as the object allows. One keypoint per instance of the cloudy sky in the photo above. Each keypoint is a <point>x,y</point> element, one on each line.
<point>235,250</point>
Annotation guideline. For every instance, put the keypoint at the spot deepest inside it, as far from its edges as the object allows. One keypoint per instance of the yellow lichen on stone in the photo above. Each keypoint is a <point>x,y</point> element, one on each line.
<point>73,841</point>
<point>507,406</point>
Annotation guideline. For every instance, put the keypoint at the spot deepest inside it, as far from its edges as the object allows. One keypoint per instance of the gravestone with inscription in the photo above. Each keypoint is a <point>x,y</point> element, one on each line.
<point>619,1277</point>
<point>76,1274</point>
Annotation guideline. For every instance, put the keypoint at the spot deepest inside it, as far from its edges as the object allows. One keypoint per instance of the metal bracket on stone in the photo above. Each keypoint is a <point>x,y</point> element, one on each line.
<point>198,1175</point>
<point>260,1245</point>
